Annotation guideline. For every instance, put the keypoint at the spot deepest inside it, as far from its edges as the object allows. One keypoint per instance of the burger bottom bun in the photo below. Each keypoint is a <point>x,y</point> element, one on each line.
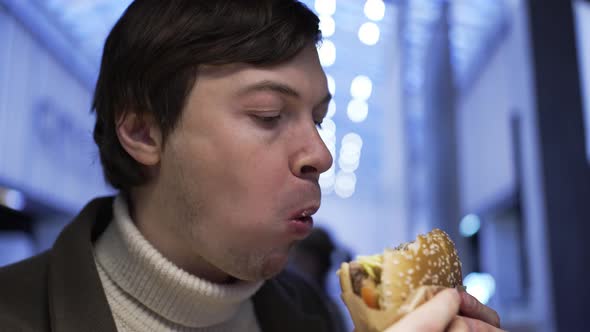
<point>367,319</point>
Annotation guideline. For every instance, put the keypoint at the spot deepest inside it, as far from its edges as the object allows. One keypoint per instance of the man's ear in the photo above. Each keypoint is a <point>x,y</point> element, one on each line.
<point>140,136</point>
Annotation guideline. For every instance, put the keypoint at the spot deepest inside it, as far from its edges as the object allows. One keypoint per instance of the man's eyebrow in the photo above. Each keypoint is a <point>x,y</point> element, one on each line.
<point>270,86</point>
<point>280,88</point>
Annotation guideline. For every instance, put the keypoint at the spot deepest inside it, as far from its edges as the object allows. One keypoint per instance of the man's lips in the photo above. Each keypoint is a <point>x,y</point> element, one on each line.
<point>301,222</point>
<point>305,212</point>
<point>300,227</point>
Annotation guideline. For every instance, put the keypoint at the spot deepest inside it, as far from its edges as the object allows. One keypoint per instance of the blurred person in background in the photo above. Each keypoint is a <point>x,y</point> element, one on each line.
<point>206,115</point>
<point>312,257</point>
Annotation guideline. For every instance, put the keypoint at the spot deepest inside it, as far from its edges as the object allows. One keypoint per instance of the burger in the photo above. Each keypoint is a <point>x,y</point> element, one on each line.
<point>379,290</point>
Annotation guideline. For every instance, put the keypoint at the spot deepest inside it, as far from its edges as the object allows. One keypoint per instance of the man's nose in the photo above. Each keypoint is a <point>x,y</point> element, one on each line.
<point>313,157</point>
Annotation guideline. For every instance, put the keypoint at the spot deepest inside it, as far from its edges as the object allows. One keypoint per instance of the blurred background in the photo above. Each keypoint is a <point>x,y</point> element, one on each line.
<point>468,115</point>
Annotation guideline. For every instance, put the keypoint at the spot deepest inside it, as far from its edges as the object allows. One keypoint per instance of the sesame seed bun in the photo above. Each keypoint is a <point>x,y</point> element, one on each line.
<point>410,275</point>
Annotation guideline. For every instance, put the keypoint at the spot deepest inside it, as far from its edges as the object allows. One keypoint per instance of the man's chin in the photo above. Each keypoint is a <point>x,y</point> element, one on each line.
<point>273,265</point>
<point>263,267</point>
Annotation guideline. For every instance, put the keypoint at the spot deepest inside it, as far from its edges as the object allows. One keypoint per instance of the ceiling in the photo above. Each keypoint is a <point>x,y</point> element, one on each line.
<point>474,25</point>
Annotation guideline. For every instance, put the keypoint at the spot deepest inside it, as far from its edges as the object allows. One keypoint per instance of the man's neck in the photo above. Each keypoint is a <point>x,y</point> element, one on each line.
<point>169,234</point>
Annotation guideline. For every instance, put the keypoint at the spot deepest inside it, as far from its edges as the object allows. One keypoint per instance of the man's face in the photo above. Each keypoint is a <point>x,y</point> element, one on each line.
<point>244,162</point>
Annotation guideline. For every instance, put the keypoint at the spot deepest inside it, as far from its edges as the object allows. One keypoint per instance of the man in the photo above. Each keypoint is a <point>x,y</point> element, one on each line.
<point>206,124</point>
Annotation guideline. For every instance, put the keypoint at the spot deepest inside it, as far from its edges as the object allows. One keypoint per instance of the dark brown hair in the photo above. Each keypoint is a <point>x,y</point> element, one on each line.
<point>152,54</point>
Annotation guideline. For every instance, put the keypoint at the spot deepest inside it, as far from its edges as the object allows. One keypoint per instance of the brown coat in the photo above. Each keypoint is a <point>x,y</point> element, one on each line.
<point>60,290</point>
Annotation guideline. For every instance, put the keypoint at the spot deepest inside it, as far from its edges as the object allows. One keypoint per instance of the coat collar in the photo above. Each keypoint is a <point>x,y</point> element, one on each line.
<point>78,303</point>
<point>77,299</point>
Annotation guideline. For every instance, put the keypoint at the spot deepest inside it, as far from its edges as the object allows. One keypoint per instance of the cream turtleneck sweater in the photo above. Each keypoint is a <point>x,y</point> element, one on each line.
<point>147,292</point>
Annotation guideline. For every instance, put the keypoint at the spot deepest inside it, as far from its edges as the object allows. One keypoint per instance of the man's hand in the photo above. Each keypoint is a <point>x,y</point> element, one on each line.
<point>476,314</point>
<point>440,314</point>
<point>434,315</point>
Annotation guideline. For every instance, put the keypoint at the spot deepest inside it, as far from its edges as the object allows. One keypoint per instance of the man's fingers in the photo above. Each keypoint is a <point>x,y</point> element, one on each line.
<point>471,307</point>
<point>440,314</point>
<point>466,324</point>
<point>458,325</point>
<point>476,325</point>
<point>434,315</point>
